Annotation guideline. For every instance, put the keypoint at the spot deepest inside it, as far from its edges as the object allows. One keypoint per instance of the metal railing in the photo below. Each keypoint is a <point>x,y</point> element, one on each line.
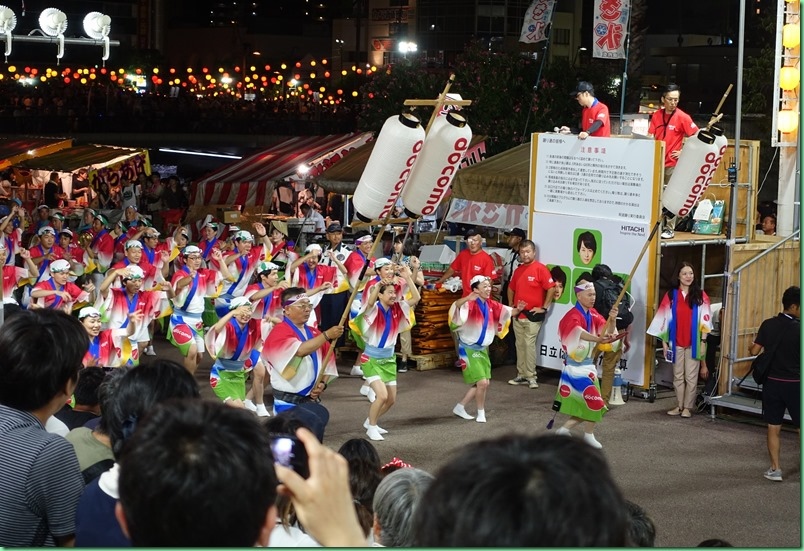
<point>749,306</point>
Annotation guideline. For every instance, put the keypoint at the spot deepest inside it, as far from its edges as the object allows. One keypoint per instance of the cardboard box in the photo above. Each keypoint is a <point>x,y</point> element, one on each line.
<point>229,216</point>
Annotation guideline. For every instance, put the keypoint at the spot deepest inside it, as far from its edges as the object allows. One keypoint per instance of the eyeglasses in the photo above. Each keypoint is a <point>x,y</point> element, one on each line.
<point>194,257</point>
<point>671,100</point>
<point>303,305</point>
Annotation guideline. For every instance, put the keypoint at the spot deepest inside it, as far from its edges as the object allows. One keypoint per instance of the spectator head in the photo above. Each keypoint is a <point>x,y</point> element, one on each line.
<point>107,393</point>
<point>139,390</point>
<point>769,224</point>
<point>86,389</point>
<point>395,503</point>
<point>190,461</point>
<point>41,352</point>
<point>499,487</point>
<point>584,93</point>
<point>791,299</point>
<point>641,530</point>
<point>364,477</point>
<point>715,542</point>
<point>601,271</point>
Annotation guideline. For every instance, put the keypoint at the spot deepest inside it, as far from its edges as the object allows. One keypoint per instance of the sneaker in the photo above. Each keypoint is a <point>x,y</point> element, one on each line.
<point>249,405</point>
<point>379,428</point>
<point>563,432</point>
<point>668,234</point>
<point>460,411</point>
<point>374,433</point>
<point>481,416</point>
<point>364,390</point>
<point>674,412</point>
<point>261,411</point>
<point>518,381</point>
<point>776,475</point>
<point>356,371</point>
<point>590,439</point>
<point>533,383</point>
<point>371,396</point>
<point>686,414</point>
<point>401,365</point>
<point>150,351</point>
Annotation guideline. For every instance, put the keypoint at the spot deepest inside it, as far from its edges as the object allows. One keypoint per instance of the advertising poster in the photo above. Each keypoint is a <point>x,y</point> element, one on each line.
<point>595,201</point>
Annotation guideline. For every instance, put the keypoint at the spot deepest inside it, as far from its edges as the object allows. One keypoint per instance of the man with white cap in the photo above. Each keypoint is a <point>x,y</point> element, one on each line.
<point>11,276</point>
<point>241,263</point>
<point>308,273</point>
<point>116,304</point>
<point>295,354</point>
<point>45,252</point>
<point>107,347</point>
<point>235,342</point>
<point>358,259</point>
<point>191,285</point>
<point>57,292</point>
<point>476,319</point>
<point>134,257</point>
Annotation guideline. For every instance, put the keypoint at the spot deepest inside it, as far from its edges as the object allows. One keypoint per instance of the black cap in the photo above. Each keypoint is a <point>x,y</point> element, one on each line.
<point>471,232</point>
<point>582,86</point>
<point>334,227</point>
<point>518,232</point>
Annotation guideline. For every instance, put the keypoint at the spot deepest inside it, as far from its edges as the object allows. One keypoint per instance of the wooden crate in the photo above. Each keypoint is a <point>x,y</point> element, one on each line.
<point>438,360</point>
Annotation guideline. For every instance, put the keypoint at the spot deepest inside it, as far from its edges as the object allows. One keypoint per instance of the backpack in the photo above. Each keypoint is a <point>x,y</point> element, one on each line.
<point>606,292</point>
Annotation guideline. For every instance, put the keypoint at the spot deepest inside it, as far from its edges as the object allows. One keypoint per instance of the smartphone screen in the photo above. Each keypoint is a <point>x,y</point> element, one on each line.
<point>289,452</point>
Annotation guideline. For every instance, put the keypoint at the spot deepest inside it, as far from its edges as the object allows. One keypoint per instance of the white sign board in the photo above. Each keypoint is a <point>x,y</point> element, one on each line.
<point>602,177</point>
<point>577,221</point>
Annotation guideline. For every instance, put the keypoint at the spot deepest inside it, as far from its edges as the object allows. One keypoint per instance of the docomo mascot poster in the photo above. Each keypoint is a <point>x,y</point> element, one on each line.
<point>442,153</point>
<point>696,166</point>
<point>388,169</point>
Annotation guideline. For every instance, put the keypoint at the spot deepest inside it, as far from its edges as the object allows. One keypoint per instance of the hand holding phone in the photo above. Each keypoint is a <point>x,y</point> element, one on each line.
<point>289,452</point>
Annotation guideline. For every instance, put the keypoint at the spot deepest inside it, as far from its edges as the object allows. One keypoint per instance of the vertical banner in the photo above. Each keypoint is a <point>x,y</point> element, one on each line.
<point>538,16</point>
<point>609,28</point>
<point>594,201</point>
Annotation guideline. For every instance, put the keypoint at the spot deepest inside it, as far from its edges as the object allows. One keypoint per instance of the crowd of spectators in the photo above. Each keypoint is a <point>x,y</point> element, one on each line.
<point>46,108</point>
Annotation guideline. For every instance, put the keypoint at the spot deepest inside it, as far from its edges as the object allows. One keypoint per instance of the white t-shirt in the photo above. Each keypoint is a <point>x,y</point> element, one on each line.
<point>130,195</point>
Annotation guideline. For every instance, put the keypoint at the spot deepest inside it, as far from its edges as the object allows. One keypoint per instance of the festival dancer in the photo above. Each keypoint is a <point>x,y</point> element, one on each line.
<point>235,342</point>
<point>266,301</point>
<point>295,354</point>
<point>357,263</point>
<point>209,241</point>
<point>117,303</point>
<point>578,393</point>
<point>475,319</point>
<point>280,253</point>
<point>57,292</point>
<point>190,286</point>
<point>45,252</point>
<point>308,273</point>
<point>241,264</point>
<point>378,325</point>
<point>107,347</point>
<point>12,276</point>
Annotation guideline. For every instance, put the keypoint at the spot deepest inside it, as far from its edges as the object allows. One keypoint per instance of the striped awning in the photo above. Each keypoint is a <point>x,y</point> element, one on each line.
<point>250,181</point>
<point>16,150</point>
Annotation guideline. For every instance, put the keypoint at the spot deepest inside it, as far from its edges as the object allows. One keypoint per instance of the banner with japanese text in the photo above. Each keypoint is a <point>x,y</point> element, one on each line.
<point>494,215</point>
<point>592,202</point>
<point>537,18</point>
<point>609,28</point>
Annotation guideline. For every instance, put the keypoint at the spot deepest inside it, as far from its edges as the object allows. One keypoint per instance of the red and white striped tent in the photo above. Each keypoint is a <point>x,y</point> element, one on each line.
<point>251,181</point>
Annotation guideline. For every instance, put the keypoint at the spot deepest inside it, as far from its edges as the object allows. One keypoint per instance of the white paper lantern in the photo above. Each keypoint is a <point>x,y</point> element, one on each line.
<point>697,162</point>
<point>389,167</point>
<point>442,153</point>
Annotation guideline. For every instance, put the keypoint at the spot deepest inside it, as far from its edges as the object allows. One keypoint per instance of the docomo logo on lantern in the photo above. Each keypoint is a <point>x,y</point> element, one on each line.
<point>447,173</point>
<point>402,178</point>
<point>702,181</point>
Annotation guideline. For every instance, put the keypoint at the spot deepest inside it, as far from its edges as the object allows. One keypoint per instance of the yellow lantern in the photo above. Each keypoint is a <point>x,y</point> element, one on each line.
<point>789,78</point>
<point>791,35</point>
<point>788,121</point>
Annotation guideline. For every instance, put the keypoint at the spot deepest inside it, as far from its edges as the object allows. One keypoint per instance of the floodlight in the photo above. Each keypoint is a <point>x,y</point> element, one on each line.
<point>7,23</point>
<point>98,26</point>
<point>53,22</point>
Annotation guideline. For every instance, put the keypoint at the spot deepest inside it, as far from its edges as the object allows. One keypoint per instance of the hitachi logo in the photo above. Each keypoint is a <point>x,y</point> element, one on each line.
<point>632,229</point>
